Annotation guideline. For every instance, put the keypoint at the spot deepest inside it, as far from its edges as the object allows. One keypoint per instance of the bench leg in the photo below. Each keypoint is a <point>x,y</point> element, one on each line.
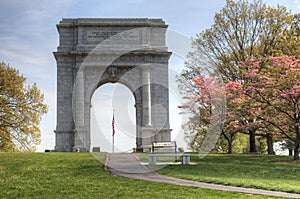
<point>152,160</point>
<point>185,159</point>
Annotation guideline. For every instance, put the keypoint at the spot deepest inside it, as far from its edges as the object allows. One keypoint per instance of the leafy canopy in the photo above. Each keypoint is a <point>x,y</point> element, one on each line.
<point>21,110</point>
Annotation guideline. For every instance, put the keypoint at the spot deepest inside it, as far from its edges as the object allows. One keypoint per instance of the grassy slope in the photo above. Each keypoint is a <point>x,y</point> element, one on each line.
<point>80,175</point>
<point>257,171</point>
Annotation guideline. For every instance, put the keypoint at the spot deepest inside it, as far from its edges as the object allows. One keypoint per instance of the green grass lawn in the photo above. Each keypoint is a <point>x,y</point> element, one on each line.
<point>256,171</point>
<point>80,175</point>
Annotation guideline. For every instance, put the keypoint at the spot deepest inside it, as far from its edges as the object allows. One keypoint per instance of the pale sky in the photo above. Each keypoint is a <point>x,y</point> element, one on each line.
<point>28,37</point>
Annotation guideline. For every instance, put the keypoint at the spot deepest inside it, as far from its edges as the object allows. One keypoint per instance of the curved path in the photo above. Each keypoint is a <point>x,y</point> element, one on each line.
<point>126,165</point>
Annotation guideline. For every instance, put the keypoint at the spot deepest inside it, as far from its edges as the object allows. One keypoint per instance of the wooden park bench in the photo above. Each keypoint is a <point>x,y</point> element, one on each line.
<point>166,149</point>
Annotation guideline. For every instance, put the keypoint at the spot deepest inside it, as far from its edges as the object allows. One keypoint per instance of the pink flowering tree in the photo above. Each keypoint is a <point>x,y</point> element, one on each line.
<point>240,117</point>
<point>274,90</point>
<point>243,114</point>
<point>208,106</point>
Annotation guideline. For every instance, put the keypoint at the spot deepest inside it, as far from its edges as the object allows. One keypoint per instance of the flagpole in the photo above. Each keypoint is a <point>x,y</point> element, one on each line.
<point>113,132</point>
<point>113,146</point>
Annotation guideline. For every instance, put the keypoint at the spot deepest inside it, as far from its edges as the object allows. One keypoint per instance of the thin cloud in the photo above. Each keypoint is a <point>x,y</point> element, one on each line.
<point>297,2</point>
<point>17,56</point>
<point>31,19</point>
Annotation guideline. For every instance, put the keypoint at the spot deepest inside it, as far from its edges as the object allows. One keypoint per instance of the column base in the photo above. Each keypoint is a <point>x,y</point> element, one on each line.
<point>80,141</point>
<point>147,137</point>
<point>80,149</point>
<point>64,141</point>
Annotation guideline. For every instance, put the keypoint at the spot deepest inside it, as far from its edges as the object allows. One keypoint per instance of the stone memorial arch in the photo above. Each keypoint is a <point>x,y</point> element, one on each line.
<point>93,52</point>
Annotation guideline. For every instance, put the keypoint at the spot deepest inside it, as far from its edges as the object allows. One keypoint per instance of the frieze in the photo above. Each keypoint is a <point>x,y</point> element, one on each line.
<point>129,36</point>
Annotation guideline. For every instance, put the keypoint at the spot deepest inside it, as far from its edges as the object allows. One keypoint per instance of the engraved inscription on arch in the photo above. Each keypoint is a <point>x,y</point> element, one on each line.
<point>132,36</point>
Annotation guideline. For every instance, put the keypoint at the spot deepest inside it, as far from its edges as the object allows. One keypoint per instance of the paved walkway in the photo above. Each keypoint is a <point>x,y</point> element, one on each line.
<point>126,165</point>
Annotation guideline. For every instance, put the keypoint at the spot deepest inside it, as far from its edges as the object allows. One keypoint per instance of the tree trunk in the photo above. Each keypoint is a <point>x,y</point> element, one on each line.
<point>296,154</point>
<point>229,141</point>
<point>229,147</point>
<point>270,144</point>
<point>252,141</point>
<point>296,148</point>
<point>290,152</point>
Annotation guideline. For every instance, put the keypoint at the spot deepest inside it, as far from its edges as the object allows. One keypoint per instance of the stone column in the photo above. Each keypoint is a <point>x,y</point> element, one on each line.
<point>64,134</point>
<point>87,121</point>
<point>80,131</point>
<point>78,104</point>
<point>138,111</point>
<point>146,100</point>
<point>147,130</point>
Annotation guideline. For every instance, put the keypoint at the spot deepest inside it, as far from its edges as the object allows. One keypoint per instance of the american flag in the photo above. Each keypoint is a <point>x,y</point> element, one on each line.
<point>113,125</point>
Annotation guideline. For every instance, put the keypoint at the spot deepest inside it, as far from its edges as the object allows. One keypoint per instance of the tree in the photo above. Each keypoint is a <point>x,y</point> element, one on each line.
<point>242,112</point>
<point>209,104</point>
<point>21,110</point>
<point>276,90</point>
<point>242,31</point>
<point>289,42</point>
<point>208,96</point>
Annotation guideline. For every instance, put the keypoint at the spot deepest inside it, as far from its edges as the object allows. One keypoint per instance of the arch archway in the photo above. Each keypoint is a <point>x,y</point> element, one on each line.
<point>93,52</point>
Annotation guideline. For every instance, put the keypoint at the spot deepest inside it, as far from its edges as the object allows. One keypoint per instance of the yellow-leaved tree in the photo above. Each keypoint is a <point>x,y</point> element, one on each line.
<point>21,111</point>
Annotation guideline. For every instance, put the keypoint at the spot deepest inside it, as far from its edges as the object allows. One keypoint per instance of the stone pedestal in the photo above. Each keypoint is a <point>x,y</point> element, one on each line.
<point>147,136</point>
<point>80,140</point>
<point>64,141</point>
<point>96,149</point>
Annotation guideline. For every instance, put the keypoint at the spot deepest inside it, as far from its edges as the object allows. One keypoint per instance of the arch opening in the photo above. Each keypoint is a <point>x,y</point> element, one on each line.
<point>109,97</point>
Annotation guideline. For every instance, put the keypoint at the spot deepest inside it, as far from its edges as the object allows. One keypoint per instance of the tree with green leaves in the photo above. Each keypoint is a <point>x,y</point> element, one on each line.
<point>289,42</point>
<point>242,31</point>
<point>21,110</point>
